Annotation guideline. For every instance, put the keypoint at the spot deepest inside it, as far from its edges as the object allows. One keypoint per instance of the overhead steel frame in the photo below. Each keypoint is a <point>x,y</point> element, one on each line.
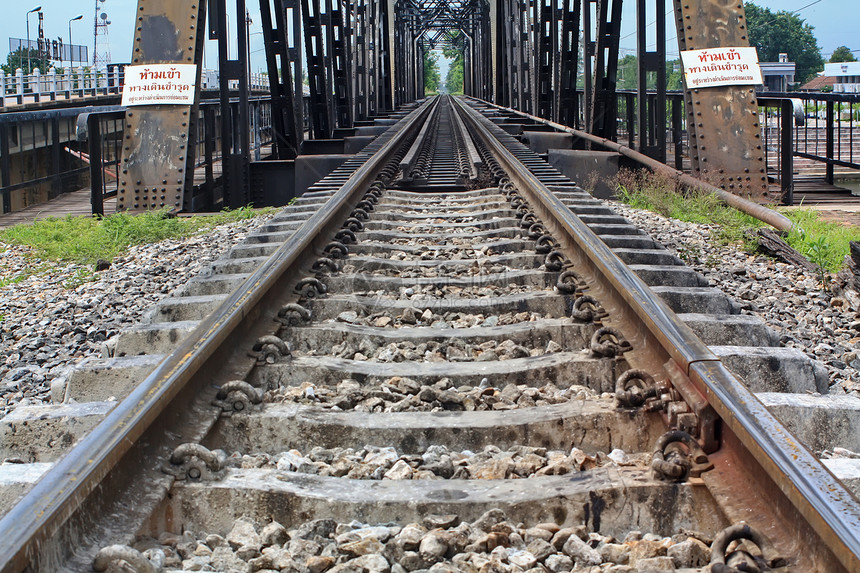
<point>286,93</point>
<point>651,109</point>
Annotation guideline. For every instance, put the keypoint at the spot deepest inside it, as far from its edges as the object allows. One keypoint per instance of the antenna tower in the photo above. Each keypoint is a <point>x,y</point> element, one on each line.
<point>101,39</point>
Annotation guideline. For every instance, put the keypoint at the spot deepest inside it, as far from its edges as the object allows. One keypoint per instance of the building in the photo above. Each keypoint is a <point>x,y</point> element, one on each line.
<point>847,76</point>
<point>778,76</point>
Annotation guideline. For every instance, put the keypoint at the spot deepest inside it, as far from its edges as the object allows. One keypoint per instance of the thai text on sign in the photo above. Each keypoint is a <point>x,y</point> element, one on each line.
<point>159,84</point>
<point>721,67</point>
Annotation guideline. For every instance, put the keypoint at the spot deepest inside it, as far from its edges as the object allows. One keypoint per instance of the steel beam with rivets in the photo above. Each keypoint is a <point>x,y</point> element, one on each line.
<point>157,143</point>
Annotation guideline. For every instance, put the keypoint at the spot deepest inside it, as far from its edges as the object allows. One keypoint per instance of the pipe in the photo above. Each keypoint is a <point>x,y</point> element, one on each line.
<point>751,208</point>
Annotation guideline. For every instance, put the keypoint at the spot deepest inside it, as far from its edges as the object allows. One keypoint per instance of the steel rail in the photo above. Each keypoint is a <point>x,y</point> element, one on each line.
<point>475,161</point>
<point>831,511</point>
<point>407,164</point>
<point>53,501</point>
<point>760,212</point>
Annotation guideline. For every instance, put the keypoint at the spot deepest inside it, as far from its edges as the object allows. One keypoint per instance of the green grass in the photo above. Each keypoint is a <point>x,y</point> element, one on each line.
<point>822,242</point>
<point>86,240</point>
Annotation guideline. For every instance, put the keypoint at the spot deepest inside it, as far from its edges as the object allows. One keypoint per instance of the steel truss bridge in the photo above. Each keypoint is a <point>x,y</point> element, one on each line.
<point>363,58</point>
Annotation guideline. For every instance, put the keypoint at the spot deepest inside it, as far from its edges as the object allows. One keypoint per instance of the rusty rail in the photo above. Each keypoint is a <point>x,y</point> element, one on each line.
<point>668,344</point>
<point>26,530</point>
<point>760,212</point>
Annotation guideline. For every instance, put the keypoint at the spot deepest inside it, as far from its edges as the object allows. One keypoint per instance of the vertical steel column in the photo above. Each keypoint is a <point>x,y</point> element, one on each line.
<point>723,122</point>
<point>235,133</point>
<point>524,55</point>
<point>589,48</point>
<point>315,53</point>
<point>504,71</point>
<point>384,64</point>
<point>361,75</point>
<point>651,112</point>
<point>328,40</point>
<point>786,174</point>
<point>605,103</point>
<point>568,99</point>
<point>546,36</point>
<point>372,58</point>
<point>5,166</point>
<point>275,35</point>
<point>157,157</point>
<point>94,141</point>
<point>341,65</point>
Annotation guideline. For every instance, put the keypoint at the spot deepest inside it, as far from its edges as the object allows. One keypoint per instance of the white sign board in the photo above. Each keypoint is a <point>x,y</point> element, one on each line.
<point>159,84</point>
<point>721,67</point>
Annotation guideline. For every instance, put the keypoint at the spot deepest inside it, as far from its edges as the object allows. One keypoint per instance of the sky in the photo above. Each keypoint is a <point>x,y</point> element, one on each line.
<point>830,29</point>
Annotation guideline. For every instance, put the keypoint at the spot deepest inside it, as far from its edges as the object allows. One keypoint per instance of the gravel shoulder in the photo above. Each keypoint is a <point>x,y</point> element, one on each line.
<point>790,300</point>
<point>56,318</point>
<point>64,313</point>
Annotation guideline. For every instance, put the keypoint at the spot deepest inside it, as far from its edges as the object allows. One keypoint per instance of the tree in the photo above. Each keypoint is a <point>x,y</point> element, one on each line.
<point>775,33</point>
<point>18,59</point>
<point>842,54</point>
<point>456,71</point>
<point>431,72</point>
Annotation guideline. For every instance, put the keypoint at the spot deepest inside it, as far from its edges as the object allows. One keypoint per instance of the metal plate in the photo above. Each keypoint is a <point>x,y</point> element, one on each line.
<point>155,148</point>
<point>723,122</point>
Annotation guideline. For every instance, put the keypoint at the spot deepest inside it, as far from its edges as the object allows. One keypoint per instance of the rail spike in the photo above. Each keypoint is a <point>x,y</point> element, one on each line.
<point>609,342</point>
<point>311,287</point>
<point>587,309</point>
<point>739,559</point>
<point>196,462</point>
<point>636,388</point>
<point>555,261</point>
<point>293,315</point>
<point>677,456</point>
<point>325,265</point>
<point>237,396</point>
<point>269,349</point>
<point>545,244</point>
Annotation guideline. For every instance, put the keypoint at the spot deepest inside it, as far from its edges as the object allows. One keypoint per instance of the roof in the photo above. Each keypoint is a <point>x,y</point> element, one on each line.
<point>817,83</point>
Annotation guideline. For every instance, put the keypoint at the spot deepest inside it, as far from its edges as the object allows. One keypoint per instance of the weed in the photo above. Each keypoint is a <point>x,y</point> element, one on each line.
<point>825,244</point>
<point>13,280</point>
<point>80,277</point>
<point>85,240</point>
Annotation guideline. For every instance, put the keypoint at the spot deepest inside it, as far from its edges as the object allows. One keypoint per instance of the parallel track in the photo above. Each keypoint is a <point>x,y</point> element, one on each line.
<point>419,308</point>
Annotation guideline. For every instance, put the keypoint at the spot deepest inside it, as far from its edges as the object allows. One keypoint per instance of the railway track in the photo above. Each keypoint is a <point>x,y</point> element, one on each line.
<point>437,359</point>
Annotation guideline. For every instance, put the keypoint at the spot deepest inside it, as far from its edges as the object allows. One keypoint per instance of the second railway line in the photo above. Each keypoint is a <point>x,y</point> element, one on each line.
<point>464,376</point>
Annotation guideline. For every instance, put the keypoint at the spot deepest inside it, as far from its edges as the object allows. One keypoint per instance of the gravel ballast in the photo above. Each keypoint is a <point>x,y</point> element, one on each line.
<point>58,316</point>
<point>790,300</point>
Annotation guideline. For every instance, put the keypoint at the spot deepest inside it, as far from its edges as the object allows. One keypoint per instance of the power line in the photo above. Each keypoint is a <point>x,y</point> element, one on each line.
<point>805,7</point>
<point>651,24</point>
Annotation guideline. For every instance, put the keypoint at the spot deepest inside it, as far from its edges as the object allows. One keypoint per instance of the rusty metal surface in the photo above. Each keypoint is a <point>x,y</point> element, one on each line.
<point>723,122</point>
<point>769,216</point>
<point>156,140</point>
<point>653,329</point>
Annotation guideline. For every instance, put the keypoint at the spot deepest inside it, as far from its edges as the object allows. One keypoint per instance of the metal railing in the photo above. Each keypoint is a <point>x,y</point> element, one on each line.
<point>44,154</point>
<point>104,137</point>
<point>40,156</point>
<point>71,83</point>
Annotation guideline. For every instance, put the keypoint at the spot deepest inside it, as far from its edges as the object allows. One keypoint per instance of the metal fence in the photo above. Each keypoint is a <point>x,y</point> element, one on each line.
<point>20,88</point>
<point>46,153</point>
<point>104,137</point>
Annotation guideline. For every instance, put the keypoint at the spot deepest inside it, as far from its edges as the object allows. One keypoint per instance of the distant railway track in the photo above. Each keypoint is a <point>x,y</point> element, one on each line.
<point>444,355</point>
